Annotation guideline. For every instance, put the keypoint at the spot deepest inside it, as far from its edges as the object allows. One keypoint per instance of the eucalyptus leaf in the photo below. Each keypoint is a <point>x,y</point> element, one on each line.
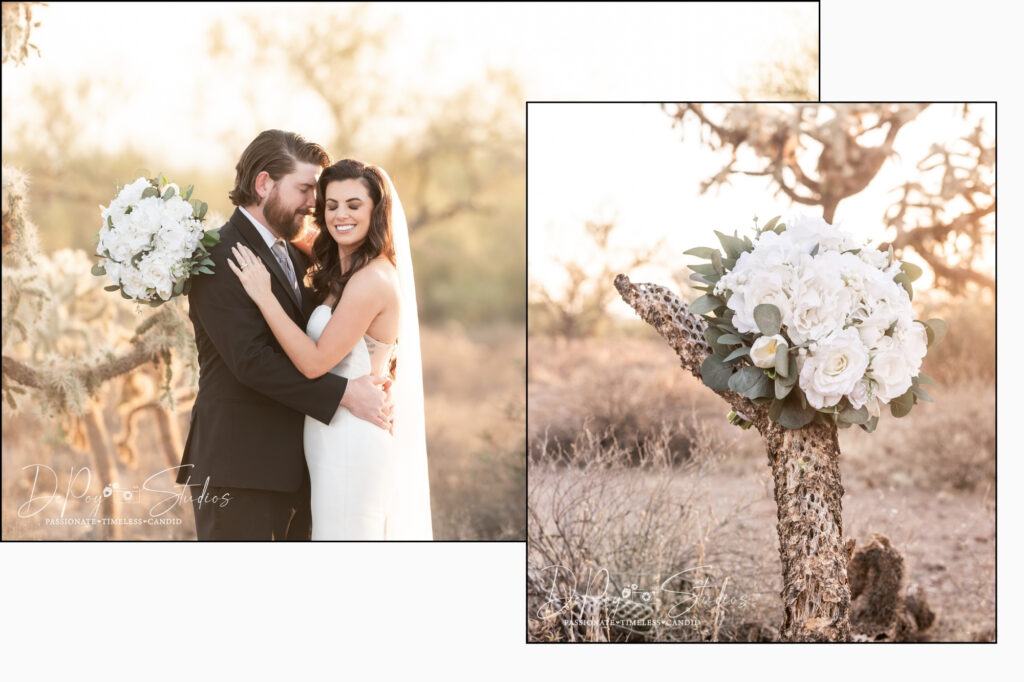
<point>923,378</point>
<point>711,335</point>
<point>775,410</point>
<point>814,251</point>
<point>705,269</point>
<point>179,286</point>
<point>938,327</point>
<point>717,264</point>
<point>700,252</point>
<point>112,287</point>
<point>705,304</point>
<point>744,379</point>
<point>150,192</point>
<point>771,224</point>
<point>858,416</point>
<point>782,388</point>
<point>793,375</point>
<point>733,246</point>
<point>782,359</point>
<point>98,270</point>
<point>169,194</point>
<point>205,270</point>
<point>738,353</point>
<point>900,407</point>
<point>780,228</point>
<point>904,280</point>
<point>768,319</point>
<point>921,394</point>
<point>715,374</point>
<point>751,382</point>
<point>730,339</point>
<point>793,415</point>
<point>725,326</point>
<point>911,270</point>
<point>870,425</point>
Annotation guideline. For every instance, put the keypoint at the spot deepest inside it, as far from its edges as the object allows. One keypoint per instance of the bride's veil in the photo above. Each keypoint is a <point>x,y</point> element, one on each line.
<point>411,519</point>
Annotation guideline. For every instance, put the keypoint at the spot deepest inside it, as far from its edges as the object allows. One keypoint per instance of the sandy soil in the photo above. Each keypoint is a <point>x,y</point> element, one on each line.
<point>947,539</point>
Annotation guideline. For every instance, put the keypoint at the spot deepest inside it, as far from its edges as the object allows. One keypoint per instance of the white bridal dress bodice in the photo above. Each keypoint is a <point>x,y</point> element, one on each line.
<point>351,461</point>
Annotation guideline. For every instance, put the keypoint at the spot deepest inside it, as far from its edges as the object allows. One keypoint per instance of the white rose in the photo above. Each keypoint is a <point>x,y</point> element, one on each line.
<point>113,270</point>
<point>134,285</point>
<point>863,394</point>
<point>763,350</point>
<point>890,370</point>
<point>821,301</point>
<point>874,325</point>
<point>763,286</point>
<point>808,231</point>
<point>913,339</point>
<point>874,258</point>
<point>835,369</point>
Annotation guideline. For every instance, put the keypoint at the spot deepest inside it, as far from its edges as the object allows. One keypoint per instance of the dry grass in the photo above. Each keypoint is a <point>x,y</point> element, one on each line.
<point>611,437</point>
<point>607,518</point>
<point>475,422</point>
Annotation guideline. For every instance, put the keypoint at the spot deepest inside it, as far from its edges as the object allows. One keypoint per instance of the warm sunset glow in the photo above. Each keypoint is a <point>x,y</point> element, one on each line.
<point>626,160</point>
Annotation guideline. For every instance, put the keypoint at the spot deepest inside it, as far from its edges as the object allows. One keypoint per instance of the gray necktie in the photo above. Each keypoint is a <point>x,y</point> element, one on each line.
<point>281,254</point>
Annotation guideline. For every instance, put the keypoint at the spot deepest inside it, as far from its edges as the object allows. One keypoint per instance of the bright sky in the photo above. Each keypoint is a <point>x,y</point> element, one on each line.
<point>626,160</point>
<point>606,51</point>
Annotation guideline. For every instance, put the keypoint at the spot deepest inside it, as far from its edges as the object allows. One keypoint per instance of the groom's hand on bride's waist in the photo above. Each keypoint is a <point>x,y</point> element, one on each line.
<point>369,398</point>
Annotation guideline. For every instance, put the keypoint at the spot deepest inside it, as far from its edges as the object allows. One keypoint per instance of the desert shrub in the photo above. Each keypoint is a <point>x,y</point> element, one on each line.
<point>620,549</point>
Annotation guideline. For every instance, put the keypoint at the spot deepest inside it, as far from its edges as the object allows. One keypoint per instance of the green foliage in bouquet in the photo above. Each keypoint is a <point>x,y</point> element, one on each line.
<point>185,268</point>
<point>729,367</point>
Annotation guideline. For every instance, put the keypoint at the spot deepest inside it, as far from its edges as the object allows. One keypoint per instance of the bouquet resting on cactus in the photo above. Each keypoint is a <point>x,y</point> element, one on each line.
<point>152,241</point>
<point>809,319</point>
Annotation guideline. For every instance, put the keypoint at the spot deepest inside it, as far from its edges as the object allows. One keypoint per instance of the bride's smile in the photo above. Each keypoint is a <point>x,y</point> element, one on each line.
<point>347,212</point>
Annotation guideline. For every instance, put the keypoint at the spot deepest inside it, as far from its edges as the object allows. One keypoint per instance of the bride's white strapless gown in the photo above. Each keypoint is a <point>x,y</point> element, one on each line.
<point>352,463</point>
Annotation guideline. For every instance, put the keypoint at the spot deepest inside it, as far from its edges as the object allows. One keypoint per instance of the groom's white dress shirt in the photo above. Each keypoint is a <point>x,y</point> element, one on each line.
<point>282,258</point>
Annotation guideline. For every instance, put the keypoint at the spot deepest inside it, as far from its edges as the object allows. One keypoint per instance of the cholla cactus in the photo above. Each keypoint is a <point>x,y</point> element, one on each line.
<point>805,468</point>
<point>18,25</point>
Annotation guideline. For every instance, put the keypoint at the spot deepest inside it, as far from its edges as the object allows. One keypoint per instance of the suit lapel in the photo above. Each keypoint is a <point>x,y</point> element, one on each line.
<point>255,242</point>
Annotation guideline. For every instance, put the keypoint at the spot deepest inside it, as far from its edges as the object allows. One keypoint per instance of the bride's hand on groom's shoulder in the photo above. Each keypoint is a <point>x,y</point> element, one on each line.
<point>367,399</point>
<point>251,272</point>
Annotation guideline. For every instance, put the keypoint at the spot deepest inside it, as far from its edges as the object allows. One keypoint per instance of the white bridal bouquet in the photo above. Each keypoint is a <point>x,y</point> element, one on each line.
<point>813,322</point>
<point>152,241</point>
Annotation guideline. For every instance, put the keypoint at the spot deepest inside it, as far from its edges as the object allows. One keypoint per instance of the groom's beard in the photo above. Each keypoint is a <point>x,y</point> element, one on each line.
<point>284,222</point>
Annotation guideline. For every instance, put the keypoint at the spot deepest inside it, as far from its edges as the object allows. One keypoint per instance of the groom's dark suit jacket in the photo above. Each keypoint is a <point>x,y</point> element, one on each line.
<point>247,421</point>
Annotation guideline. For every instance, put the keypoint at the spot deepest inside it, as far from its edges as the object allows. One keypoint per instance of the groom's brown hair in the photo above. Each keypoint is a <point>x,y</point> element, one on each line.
<point>274,151</point>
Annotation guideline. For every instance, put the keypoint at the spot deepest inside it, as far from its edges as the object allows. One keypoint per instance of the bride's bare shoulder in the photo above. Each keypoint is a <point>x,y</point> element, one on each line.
<point>378,277</point>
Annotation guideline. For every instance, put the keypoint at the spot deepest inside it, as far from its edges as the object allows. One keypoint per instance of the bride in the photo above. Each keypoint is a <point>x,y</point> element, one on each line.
<point>366,483</point>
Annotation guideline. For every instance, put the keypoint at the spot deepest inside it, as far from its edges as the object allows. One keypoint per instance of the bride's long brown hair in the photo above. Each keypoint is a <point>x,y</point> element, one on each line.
<point>328,279</point>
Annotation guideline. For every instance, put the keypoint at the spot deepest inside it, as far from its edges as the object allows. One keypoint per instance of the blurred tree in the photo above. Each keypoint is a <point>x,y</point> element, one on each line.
<point>819,155</point>
<point>455,158</point>
<point>580,308</point>
<point>943,214</point>
<point>791,74</point>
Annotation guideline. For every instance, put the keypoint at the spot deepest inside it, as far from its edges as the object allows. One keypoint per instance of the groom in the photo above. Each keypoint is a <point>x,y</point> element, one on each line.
<point>244,458</point>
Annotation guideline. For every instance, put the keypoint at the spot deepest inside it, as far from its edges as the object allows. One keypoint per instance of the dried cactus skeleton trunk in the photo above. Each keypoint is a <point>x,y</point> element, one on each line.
<point>805,469</point>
